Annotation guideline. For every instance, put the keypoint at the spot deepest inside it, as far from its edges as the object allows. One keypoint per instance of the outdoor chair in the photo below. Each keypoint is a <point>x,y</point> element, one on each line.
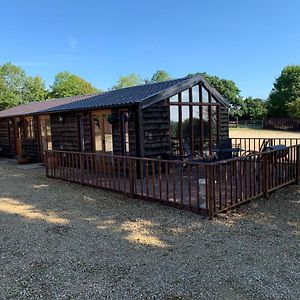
<point>226,150</point>
<point>197,158</point>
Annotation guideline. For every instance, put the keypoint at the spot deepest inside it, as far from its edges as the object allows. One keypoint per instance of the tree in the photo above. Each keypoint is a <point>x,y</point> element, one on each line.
<point>7,97</point>
<point>286,91</point>
<point>229,90</point>
<point>294,109</point>
<point>254,109</point>
<point>160,76</point>
<point>34,90</point>
<point>127,81</point>
<point>16,88</point>
<point>12,82</point>
<point>67,84</point>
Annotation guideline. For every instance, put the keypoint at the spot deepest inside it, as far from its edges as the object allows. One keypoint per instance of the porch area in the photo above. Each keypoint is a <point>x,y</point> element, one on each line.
<point>203,187</point>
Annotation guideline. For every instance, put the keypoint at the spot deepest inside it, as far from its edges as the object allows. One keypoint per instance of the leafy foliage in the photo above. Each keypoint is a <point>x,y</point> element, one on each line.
<point>294,109</point>
<point>160,76</point>
<point>286,91</point>
<point>16,88</point>
<point>229,90</point>
<point>67,85</point>
<point>35,89</point>
<point>254,109</point>
<point>128,81</point>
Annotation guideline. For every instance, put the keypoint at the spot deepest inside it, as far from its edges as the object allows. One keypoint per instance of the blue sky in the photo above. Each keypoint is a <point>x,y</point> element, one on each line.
<point>248,41</point>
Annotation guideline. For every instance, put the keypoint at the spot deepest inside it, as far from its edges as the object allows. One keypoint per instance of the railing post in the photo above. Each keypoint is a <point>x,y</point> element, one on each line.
<point>265,175</point>
<point>209,191</point>
<point>46,163</point>
<point>81,169</point>
<point>131,180</point>
<point>297,163</point>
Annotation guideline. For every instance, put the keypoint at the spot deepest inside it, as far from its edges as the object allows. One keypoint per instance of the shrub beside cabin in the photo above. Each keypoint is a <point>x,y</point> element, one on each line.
<point>169,120</point>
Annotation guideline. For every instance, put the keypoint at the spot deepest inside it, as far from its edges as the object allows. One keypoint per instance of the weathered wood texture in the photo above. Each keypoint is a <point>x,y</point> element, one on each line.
<point>224,122</point>
<point>156,130</point>
<point>7,144</point>
<point>65,134</point>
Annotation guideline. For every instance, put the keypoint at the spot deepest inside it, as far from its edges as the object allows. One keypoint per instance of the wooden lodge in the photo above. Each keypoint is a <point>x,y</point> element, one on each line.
<point>153,120</point>
<point>167,142</point>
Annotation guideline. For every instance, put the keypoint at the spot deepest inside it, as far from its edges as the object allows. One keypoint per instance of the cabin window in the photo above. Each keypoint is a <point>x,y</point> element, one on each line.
<point>194,123</point>
<point>29,127</point>
<point>185,96</point>
<point>124,119</point>
<point>195,93</point>
<point>103,139</point>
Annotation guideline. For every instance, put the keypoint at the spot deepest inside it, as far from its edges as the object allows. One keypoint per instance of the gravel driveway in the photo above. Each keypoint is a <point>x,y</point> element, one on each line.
<point>63,241</point>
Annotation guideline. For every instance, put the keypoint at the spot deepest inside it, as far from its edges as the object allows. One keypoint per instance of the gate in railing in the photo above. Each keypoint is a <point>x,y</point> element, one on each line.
<point>209,188</point>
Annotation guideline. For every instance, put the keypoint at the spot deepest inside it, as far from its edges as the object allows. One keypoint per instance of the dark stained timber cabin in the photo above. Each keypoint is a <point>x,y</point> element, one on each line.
<point>168,120</point>
<point>167,142</point>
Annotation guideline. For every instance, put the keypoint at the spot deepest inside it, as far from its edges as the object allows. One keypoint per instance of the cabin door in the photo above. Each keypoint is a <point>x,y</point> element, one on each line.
<point>18,136</point>
<point>45,133</point>
<point>103,139</point>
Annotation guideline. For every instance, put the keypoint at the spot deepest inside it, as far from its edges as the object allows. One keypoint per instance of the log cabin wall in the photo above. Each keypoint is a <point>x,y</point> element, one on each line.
<point>7,137</point>
<point>224,122</point>
<point>65,133</point>
<point>156,130</point>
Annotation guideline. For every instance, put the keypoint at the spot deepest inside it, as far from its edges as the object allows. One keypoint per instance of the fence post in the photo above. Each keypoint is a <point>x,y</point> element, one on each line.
<point>297,163</point>
<point>209,191</point>
<point>265,175</point>
<point>81,169</point>
<point>131,180</point>
<point>46,163</point>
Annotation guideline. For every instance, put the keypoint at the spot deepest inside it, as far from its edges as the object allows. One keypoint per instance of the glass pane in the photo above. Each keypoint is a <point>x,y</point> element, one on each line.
<point>213,99</point>
<point>97,133</point>
<point>174,98</point>
<point>214,123</point>
<point>108,139</point>
<point>205,123</point>
<point>195,92</point>
<point>204,95</point>
<point>196,129</point>
<point>174,126</point>
<point>185,123</point>
<point>185,96</point>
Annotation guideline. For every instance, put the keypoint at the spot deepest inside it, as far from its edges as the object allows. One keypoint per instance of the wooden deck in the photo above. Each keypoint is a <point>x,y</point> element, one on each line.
<point>197,187</point>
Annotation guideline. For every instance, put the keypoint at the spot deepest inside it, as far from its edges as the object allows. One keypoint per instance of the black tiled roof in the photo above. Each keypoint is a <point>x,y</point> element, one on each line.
<point>120,97</point>
<point>143,94</point>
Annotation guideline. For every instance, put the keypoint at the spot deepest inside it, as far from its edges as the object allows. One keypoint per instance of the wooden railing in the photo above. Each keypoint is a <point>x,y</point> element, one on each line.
<point>172,182</point>
<point>250,145</point>
<point>209,188</point>
<point>241,179</point>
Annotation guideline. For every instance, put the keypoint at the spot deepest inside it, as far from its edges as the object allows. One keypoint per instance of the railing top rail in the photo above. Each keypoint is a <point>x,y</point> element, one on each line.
<point>132,157</point>
<point>177,161</point>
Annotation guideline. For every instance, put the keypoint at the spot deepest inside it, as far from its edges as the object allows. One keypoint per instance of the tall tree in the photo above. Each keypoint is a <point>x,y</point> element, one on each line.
<point>286,91</point>
<point>16,88</point>
<point>67,84</point>
<point>293,109</point>
<point>229,90</point>
<point>160,76</point>
<point>254,109</point>
<point>128,81</point>
<point>12,82</point>
<point>7,97</point>
<point>34,89</point>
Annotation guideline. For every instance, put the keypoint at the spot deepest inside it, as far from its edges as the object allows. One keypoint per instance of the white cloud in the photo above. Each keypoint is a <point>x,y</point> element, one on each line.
<point>73,43</point>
